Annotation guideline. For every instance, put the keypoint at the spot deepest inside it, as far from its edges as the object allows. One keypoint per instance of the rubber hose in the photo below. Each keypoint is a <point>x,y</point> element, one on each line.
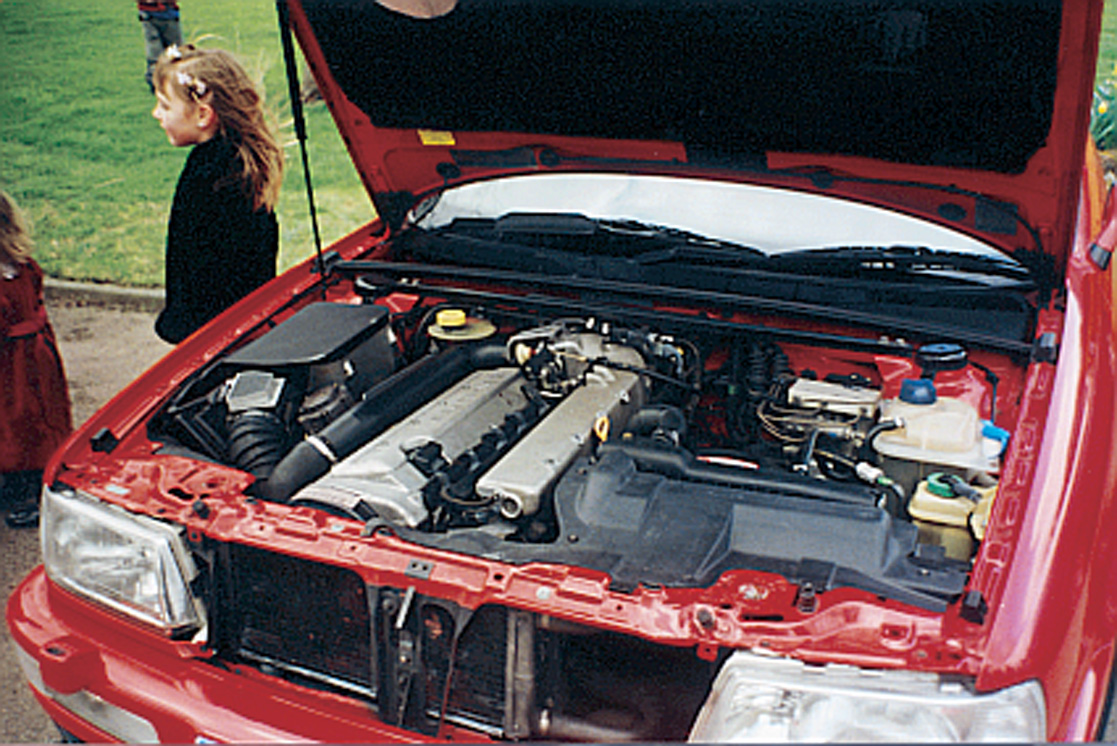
<point>680,463</point>
<point>257,441</point>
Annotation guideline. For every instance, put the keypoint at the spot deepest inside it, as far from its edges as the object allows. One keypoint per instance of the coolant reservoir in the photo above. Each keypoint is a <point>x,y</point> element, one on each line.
<point>937,430</point>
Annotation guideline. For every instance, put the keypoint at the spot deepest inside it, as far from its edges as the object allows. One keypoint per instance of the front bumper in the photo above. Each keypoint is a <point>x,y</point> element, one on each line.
<point>102,678</point>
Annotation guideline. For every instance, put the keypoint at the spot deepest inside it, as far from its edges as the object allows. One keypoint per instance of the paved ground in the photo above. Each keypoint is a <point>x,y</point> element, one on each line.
<point>104,347</point>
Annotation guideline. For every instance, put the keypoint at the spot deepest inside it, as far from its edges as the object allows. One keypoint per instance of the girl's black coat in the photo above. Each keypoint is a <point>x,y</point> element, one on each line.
<point>218,247</point>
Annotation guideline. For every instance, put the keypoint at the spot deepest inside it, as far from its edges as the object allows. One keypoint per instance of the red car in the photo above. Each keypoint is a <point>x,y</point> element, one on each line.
<point>719,370</point>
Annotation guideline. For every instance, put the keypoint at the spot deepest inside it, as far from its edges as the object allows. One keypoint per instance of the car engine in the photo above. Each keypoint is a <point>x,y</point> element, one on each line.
<point>656,458</point>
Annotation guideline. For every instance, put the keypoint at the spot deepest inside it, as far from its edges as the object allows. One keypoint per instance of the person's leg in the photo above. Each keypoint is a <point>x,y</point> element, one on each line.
<point>171,32</point>
<point>22,490</point>
<point>159,33</point>
<point>153,45</point>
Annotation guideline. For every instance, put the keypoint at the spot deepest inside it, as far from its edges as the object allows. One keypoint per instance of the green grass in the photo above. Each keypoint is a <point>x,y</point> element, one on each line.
<point>1107,53</point>
<point>82,155</point>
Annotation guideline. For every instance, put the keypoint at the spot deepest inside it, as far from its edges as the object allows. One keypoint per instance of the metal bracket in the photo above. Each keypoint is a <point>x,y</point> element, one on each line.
<point>326,262</point>
<point>1100,256</point>
<point>519,675</point>
<point>419,569</point>
<point>1045,349</point>
<point>103,441</point>
<point>974,608</point>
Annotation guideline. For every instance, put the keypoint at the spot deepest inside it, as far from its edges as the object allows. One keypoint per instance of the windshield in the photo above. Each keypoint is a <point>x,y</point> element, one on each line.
<point>728,245</point>
<point>768,220</point>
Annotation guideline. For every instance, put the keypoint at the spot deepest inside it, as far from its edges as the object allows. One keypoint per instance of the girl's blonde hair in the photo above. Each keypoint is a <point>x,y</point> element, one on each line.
<point>15,238</point>
<point>214,77</point>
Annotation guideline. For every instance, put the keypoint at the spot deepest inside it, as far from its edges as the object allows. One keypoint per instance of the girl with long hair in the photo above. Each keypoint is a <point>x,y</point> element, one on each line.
<point>34,399</point>
<point>222,237</point>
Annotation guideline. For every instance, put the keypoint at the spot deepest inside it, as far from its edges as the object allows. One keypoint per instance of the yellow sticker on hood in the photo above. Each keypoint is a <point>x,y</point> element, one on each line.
<point>436,137</point>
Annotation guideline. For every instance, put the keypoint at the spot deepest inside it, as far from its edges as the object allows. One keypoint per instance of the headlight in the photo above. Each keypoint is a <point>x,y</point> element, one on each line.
<point>129,562</point>
<point>757,698</point>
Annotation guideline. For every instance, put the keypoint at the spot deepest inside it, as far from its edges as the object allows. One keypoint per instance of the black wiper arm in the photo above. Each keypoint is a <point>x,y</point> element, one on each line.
<point>703,254</point>
<point>906,259</point>
<point>685,245</point>
<point>646,243</point>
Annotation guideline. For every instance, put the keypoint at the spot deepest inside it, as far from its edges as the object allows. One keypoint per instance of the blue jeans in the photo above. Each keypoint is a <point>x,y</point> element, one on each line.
<point>161,30</point>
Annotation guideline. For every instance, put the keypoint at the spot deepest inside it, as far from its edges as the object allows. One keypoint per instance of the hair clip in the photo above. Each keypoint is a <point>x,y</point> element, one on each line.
<point>174,54</point>
<point>190,83</point>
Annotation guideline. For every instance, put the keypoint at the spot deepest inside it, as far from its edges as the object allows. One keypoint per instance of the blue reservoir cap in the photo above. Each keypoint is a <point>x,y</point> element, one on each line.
<point>999,434</point>
<point>918,391</point>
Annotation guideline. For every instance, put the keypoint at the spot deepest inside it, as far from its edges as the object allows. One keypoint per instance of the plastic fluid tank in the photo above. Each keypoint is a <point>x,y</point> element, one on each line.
<point>948,519</point>
<point>936,430</point>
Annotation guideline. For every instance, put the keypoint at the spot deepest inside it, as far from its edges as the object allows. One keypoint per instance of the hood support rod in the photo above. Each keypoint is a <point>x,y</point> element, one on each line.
<point>300,127</point>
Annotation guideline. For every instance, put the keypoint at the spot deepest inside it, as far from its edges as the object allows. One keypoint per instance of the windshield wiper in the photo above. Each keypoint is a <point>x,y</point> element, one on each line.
<point>690,245</point>
<point>650,245</point>
<point>876,260</point>
<point>643,242</point>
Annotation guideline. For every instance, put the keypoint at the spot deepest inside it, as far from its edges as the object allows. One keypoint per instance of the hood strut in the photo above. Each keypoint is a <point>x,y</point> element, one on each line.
<point>300,128</point>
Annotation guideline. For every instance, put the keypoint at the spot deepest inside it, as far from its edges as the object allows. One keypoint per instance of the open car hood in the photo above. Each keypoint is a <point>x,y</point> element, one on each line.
<point>978,102</point>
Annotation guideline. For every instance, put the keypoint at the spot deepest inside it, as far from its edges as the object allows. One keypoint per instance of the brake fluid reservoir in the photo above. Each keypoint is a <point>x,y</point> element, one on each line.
<point>936,430</point>
<point>948,518</point>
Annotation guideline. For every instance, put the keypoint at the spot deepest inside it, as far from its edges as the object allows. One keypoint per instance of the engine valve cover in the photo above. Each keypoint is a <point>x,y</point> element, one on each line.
<point>384,474</point>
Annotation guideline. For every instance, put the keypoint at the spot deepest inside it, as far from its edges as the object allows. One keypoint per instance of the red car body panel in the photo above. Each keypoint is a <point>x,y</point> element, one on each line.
<point>1046,583</point>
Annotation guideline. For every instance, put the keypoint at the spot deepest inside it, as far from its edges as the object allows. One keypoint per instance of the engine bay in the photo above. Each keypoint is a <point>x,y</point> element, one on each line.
<point>660,458</point>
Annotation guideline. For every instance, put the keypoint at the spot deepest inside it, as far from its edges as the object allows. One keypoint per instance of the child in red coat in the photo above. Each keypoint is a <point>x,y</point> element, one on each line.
<point>34,401</point>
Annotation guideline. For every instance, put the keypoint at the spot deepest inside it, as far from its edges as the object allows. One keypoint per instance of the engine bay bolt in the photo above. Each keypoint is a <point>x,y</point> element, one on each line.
<point>807,602</point>
<point>572,538</point>
<point>705,618</point>
<point>751,593</point>
<point>510,507</point>
<point>200,508</point>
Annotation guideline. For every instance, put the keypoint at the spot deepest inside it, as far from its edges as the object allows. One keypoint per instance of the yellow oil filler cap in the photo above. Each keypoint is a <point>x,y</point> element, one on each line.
<point>453,325</point>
